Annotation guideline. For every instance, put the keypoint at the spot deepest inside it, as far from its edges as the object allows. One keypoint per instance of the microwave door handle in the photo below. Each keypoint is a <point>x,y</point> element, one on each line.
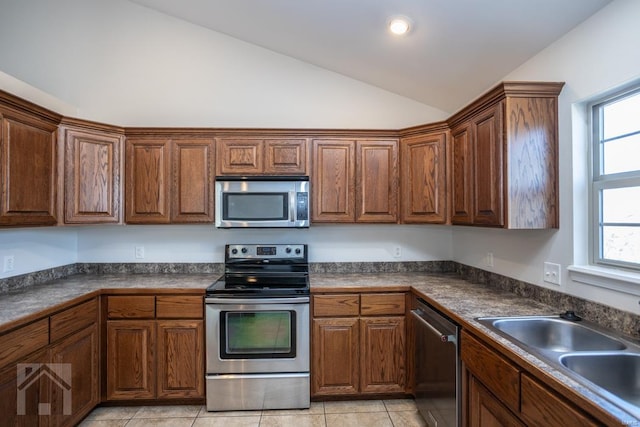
<point>292,206</point>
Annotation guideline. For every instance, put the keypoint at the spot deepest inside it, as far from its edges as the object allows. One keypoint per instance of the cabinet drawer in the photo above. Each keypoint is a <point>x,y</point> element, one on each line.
<point>179,307</point>
<point>24,340</point>
<point>73,319</point>
<point>131,307</point>
<point>377,304</point>
<point>543,408</point>
<point>499,375</point>
<point>336,305</point>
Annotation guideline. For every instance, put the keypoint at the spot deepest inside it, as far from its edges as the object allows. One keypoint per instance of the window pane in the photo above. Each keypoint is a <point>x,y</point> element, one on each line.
<point>621,244</point>
<point>622,155</point>
<point>622,117</point>
<point>621,205</point>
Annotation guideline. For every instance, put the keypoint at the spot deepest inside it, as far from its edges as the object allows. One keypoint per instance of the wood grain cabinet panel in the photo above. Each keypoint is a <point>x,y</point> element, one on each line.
<point>383,358</point>
<point>73,319</point>
<point>240,156</point>
<point>259,155</point>
<point>336,305</point>
<point>462,175</point>
<point>382,304</point>
<point>131,307</point>
<point>179,307</point>
<point>333,181</point>
<point>424,178</point>
<point>80,352</point>
<point>92,176</point>
<point>505,158</point>
<point>286,156</point>
<point>28,170</point>
<point>487,411</point>
<point>148,181</point>
<point>131,351</point>
<point>20,342</point>
<point>335,366</point>
<point>377,181</point>
<point>192,191</point>
<point>180,359</point>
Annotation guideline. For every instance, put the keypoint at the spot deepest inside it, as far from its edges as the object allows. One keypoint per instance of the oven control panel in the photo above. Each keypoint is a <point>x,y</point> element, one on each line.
<point>249,251</point>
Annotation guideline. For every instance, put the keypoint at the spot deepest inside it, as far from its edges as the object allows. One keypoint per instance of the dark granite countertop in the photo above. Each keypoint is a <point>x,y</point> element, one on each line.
<point>462,300</point>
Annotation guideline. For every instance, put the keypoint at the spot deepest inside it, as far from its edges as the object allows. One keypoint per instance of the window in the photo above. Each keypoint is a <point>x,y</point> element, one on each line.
<point>615,187</point>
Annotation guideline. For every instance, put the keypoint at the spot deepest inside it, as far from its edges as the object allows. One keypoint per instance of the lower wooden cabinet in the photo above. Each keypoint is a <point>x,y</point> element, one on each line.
<point>500,393</point>
<point>154,358</point>
<point>358,344</point>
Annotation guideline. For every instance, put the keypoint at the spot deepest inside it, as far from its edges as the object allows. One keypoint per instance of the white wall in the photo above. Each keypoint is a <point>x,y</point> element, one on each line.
<point>597,55</point>
<point>117,62</point>
<point>121,63</point>
<point>205,243</point>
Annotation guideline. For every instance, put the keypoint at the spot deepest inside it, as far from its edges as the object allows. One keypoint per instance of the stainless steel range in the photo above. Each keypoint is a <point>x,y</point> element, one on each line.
<point>257,330</point>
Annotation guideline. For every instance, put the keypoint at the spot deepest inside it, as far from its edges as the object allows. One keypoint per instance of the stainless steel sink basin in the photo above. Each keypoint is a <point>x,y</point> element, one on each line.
<point>619,374</point>
<point>555,334</point>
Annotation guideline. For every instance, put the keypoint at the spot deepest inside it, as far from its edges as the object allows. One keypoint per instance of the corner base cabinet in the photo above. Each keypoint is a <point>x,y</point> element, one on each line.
<point>155,347</point>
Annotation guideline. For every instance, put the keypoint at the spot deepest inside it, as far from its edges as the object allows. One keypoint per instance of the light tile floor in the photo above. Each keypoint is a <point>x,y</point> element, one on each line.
<point>365,413</point>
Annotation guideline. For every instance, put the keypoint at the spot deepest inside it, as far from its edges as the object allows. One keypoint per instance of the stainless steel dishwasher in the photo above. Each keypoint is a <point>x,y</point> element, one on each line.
<point>437,366</point>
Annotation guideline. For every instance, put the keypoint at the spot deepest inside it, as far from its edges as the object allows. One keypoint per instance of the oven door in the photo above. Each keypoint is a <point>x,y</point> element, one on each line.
<point>257,335</point>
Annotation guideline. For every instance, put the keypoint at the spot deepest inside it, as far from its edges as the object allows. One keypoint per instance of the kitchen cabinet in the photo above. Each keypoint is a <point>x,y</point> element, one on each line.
<point>501,393</point>
<point>270,156</point>
<point>423,185</point>
<point>355,180</point>
<point>28,164</point>
<point>58,383</point>
<point>155,347</point>
<point>169,180</point>
<point>366,333</point>
<point>505,158</point>
<point>92,173</point>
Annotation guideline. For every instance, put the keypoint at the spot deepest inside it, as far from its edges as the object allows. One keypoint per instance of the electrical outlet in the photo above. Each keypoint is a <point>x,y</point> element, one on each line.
<point>8,263</point>
<point>552,273</point>
<point>397,252</point>
<point>488,259</point>
<point>139,252</point>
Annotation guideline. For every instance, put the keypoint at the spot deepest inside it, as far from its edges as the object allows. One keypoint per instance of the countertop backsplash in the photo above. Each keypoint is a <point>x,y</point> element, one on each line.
<point>622,321</point>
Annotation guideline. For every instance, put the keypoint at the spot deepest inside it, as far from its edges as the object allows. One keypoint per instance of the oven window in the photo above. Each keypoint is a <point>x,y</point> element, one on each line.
<point>255,206</point>
<point>258,334</point>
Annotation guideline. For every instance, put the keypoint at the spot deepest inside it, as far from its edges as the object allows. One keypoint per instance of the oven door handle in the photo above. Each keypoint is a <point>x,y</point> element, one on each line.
<point>261,301</point>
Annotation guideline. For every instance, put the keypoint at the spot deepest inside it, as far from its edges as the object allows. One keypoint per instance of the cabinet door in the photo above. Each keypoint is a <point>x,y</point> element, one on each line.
<point>462,176</point>
<point>92,175</point>
<point>131,359</point>
<point>239,156</point>
<point>335,356</point>
<point>488,173</point>
<point>333,181</point>
<point>28,175</point>
<point>22,389</point>
<point>486,411</point>
<point>423,186</point>
<point>285,156</point>
<point>148,181</point>
<point>80,352</point>
<point>192,192</point>
<point>180,358</point>
<point>383,360</point>
<point>541,407</point>
<point>377,181</point>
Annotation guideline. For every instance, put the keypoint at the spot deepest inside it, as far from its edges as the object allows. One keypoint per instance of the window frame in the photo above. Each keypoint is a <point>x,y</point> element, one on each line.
<point>598,181</point>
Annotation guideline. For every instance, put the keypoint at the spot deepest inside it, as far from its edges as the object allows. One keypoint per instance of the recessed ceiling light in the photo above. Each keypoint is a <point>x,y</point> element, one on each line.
<point>399,25</point>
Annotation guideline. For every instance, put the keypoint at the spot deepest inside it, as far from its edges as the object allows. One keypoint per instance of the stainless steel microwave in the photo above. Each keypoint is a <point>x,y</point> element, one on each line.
<point>262,201</point>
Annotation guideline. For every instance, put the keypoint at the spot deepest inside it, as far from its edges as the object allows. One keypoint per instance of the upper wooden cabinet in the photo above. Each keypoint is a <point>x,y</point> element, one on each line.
<point>28,163</point>
<point>250,156</point>
<point>92,173</point>
<point>169,180</point>
<point>423,186</point>
<point>505,158</point>
<point>355,180</point>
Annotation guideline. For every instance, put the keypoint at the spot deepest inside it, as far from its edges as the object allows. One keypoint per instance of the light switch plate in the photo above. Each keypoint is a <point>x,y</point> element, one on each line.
<point>551,273</point>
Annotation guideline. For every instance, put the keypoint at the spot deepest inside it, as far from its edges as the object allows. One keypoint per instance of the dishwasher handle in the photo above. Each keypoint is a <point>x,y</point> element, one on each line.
<point>443,336</point>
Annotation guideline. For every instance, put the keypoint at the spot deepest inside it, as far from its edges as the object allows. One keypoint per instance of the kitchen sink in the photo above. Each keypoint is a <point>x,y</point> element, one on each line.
<point>554,334</point>
<point>617,373</point>
<point>602,361</point>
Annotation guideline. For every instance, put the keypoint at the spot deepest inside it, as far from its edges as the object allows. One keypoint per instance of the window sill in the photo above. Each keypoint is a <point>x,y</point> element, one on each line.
<point>609,278</point>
